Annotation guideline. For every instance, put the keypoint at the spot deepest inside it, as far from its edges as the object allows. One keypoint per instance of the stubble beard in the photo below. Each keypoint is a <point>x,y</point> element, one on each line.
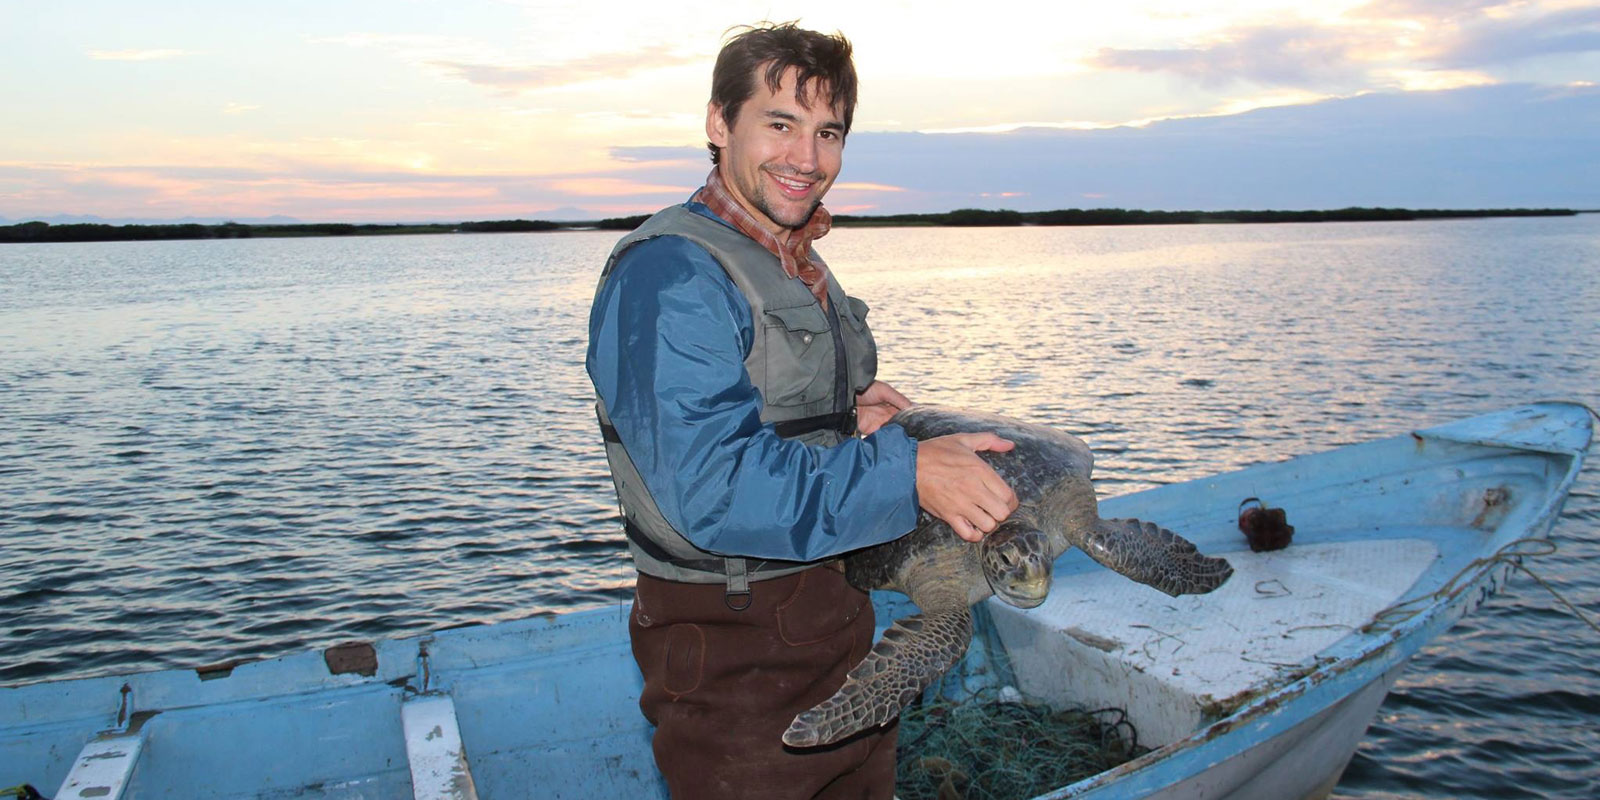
<point>758,198</point>
<point>764,207</point>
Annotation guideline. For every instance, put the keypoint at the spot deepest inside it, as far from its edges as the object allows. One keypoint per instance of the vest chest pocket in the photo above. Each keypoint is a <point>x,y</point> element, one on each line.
<point>798,356</point>
<point>862,350</point>
<point>858,309</point>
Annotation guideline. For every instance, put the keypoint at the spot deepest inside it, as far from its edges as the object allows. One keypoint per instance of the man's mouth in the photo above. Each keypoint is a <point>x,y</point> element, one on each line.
<point>793,188</point>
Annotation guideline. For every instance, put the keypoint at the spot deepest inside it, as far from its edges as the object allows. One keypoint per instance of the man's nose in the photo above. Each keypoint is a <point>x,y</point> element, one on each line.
<point>802,153</point>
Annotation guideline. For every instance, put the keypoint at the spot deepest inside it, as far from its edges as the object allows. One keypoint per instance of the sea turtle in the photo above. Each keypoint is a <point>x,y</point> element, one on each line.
<point>944,575</point>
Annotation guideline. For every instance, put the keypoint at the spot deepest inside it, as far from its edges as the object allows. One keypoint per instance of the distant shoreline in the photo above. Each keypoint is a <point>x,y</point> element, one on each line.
<point>966,217</point>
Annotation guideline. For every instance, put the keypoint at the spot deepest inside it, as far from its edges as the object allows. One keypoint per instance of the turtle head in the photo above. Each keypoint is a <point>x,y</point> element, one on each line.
<point>1017,563</point>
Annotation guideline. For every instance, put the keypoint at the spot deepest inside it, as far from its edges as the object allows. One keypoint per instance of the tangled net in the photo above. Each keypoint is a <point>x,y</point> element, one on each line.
<point>990,747</point>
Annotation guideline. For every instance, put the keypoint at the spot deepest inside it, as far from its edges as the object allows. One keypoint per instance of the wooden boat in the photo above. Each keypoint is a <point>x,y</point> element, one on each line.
<point>1261,689</point>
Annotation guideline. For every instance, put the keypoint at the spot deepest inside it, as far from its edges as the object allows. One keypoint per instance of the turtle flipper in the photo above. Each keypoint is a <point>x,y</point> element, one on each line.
<point>912,654</point>
<point>1153,555</point>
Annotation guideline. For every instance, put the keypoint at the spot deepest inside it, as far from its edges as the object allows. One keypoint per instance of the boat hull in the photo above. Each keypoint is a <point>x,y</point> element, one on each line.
<point>1303,762</point>
<point>547,706</point>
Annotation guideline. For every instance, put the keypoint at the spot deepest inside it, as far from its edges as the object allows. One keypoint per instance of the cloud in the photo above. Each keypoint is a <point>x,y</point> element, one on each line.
<point>308,190</point>
<point>1298,54</point>
<point>1492,146</point>
<point>867,187</point>
<point>1369,46</point>
<point>606,186</point>
<point>138,55</point>
<point>482,64</point>
<point>1480,147</point>
<point>1490,41</point>
<point>652,154</point>
<point>1435,10</point>
<point>544,76</point>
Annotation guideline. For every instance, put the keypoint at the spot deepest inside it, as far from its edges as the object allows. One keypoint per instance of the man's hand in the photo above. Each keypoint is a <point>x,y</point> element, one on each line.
<point>876,404</point>
<point>957,486</point>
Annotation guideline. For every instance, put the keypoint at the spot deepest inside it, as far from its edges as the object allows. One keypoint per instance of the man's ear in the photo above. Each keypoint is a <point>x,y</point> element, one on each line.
<point>716,126</point>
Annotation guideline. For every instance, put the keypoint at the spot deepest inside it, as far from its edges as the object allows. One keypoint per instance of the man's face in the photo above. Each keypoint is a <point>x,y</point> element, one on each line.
<point>780,156</point>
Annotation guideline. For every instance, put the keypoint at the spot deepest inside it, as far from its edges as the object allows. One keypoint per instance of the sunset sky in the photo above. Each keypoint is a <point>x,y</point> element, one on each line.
<point>406,110</point>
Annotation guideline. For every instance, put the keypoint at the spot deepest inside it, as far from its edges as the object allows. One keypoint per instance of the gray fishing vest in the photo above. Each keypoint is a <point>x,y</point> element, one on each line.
<point>807,371</point>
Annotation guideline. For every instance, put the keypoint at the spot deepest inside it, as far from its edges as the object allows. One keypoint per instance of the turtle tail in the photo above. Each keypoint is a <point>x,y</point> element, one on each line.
<point>1155,556</point>
<point>910,656</point>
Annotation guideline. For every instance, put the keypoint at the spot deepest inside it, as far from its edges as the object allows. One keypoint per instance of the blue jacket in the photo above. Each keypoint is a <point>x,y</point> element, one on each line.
<point>668,335</point>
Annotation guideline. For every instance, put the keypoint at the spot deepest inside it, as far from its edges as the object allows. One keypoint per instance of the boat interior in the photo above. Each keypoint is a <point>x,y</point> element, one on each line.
<point>1365,551</point>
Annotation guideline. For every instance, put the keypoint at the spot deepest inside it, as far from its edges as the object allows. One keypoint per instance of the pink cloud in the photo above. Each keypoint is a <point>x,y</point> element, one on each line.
<point>543,76</point>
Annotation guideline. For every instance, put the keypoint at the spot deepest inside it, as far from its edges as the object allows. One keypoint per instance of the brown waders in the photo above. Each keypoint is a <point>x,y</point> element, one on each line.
<point>721,687</point>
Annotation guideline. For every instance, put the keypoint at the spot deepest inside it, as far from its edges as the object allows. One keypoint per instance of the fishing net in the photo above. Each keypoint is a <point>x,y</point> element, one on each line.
<point>995,746</point>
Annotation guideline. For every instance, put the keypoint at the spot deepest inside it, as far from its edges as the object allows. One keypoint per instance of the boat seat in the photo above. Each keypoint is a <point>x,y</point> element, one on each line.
<point>103,767</point>
<point>438,761</point>
<point>1101,640</point>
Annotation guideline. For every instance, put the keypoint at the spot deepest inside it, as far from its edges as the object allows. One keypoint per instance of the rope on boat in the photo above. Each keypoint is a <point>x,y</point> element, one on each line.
<point>22,792</point>
<point>994,746</point>
<point>1511,554</point>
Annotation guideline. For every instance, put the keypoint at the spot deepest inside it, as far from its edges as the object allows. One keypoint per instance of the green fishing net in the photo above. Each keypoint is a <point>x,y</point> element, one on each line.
<point>998,747</point>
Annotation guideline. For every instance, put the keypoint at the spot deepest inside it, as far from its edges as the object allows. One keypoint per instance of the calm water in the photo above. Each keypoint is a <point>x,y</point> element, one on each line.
<point>225,449</point>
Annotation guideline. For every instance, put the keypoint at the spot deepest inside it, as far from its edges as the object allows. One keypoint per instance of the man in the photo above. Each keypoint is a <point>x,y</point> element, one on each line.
<point>733,376</point>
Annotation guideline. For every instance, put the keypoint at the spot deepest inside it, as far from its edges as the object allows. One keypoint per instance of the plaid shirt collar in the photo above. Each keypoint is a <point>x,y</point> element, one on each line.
<point>795,255</point>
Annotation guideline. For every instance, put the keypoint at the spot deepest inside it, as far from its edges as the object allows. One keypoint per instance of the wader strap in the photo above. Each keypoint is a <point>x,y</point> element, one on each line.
<point>738,595</point>
<point>715,566</point>
<point>843,422</point>
<point>737,570</point>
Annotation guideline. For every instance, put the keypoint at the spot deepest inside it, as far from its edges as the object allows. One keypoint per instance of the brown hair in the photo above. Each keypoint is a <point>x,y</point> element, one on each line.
<point>819,57</point>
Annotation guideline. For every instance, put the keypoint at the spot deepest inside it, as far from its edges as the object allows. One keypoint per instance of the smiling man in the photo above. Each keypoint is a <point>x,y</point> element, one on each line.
<point>747,438</point>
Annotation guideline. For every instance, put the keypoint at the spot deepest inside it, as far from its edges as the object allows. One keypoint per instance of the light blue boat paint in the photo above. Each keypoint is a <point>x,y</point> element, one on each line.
<point>547,706</point>
<point>1536,452</point>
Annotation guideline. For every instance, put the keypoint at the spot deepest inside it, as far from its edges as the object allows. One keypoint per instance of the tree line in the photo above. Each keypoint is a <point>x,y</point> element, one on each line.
<point>961,217</point>
<point>99,232</point>
<point>976,217</point>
